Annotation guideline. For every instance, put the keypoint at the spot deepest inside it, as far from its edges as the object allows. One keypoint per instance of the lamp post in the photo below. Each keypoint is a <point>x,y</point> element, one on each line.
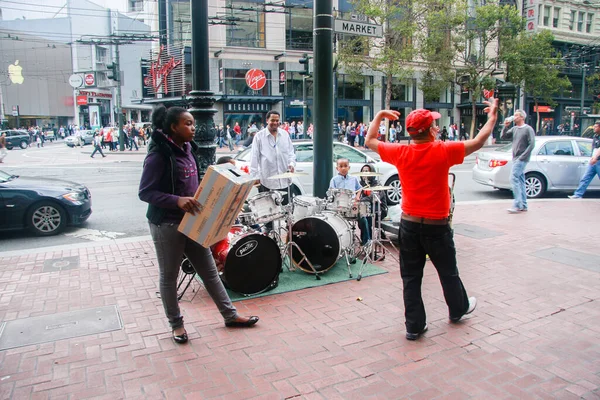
<point>201,99</point>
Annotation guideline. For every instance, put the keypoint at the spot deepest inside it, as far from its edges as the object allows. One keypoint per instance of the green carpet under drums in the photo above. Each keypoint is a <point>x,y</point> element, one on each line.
<point>298,279</point>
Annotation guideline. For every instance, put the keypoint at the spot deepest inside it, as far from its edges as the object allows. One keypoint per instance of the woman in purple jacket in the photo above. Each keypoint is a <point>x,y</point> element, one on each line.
<point>169,181</point>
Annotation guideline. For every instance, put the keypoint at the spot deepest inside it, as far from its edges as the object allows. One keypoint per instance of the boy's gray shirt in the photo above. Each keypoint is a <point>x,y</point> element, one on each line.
<point>523,141</point>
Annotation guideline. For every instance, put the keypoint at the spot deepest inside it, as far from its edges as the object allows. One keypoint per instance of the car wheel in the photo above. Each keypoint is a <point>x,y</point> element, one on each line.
<point>535,185</point>
<point>23,144</point>
<point>394,195</point>
<point>9,147</point>
<point>46,218</point>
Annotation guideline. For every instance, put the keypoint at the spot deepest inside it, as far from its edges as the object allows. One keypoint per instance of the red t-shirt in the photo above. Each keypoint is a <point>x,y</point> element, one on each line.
<point>423,170</point>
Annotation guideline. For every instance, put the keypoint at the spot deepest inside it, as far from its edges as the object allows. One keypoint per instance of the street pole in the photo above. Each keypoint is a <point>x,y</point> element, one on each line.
<point>582,97</point>
<point>323,96</point>
<point>118,105</point>
<point>201,99</point>
<point>304,105</point>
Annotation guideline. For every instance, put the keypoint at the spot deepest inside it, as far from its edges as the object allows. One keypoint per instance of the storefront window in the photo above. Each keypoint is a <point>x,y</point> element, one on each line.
<point>400,91</point>
<point>351,89</point>
<point>294,85</point>
<point>235,84</point>
<point>249,31</point>
<point>299,28</point>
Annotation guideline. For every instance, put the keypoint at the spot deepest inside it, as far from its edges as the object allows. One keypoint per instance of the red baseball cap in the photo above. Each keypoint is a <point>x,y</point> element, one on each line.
<point>420,120</point>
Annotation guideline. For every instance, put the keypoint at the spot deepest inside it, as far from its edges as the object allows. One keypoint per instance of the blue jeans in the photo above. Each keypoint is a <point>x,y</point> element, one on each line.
<point>416,241</point>
<point>587,178</point>
<point>517,180</point>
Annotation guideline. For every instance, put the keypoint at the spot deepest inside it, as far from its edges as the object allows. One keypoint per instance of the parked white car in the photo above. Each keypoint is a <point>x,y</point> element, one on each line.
<point>304,163</point>
<point>557,164</point>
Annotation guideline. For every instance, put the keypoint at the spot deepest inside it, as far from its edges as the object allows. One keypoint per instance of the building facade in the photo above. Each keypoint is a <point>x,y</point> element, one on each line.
<point>92,102</point>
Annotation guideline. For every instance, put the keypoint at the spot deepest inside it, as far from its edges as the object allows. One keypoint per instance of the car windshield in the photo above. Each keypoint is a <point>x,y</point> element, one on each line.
<point>4,177</point>
<point>244,155</point>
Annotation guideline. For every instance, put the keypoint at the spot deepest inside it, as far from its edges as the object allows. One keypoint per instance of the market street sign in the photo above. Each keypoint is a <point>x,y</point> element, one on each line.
<point>358,28</point>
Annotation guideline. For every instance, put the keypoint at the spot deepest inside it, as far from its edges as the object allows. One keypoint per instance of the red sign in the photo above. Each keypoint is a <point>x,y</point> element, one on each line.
<point>488,94</point>
<point>81,100</point>
<point>256,79</point>
<point>159,71</point>
<point>543,109</point>
<point>89,79</point>
<point>95,94</point>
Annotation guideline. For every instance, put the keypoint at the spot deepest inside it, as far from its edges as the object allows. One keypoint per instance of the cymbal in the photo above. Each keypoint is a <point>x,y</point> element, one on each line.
<point>378,188</point>
<point>286,175</point>
<point>366,174</point>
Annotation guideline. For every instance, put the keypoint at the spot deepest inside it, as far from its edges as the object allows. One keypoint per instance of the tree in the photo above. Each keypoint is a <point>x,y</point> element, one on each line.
<point>533,63</point>
<point>462,44</point>
<point>391,55</point>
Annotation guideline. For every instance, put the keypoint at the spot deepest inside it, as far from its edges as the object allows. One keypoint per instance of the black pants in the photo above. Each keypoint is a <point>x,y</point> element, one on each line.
<point>416,241</point>
<point>97,149</point>
<point>284,200</point>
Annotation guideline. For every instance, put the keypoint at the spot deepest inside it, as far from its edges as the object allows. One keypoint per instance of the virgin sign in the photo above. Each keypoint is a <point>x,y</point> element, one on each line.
<point>256,79</point>
<point>159,71</point>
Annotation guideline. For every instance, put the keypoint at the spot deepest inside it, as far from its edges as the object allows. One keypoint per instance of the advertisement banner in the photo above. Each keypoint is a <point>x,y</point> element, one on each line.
<point>94,113</point>
<point>530,11</point>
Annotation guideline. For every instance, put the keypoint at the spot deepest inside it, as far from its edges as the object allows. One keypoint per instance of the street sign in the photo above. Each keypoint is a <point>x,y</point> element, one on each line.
<point>296,103</point>
<point>15,111</point>
<point>586,110</point>
<point>358,28</point>
<point>76,81</point>
<point>89,79</point>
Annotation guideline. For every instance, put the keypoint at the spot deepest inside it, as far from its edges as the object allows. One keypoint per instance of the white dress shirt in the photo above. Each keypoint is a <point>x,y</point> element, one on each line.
<point>272,155</point>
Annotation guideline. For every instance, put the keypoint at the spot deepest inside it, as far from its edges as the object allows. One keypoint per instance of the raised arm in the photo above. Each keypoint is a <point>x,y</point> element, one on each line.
<point>484,133</point>
<point>371,141</point>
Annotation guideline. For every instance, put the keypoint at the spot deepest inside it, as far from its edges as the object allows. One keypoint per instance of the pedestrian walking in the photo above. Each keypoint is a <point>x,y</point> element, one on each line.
<point>97,145</point>
<point>229,138</point>
<point>523,141</point>
<point>423,168</point>
<point>593,168</point>
<point>3,151</point>
<point>170,177</point>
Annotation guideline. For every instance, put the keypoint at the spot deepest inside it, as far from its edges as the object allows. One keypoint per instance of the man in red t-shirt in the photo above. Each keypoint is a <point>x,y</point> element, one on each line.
<point>423,168</point>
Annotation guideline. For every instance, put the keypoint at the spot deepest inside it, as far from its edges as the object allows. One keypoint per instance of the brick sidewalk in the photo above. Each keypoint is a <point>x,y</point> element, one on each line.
<point>533,335</point>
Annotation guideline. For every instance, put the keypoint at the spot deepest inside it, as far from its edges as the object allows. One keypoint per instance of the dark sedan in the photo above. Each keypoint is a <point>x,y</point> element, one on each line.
<point>43,205</point>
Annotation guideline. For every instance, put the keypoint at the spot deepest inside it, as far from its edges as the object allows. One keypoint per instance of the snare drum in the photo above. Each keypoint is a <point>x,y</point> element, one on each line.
<point>323,238</point>
<point>305,206</point>
<point>249,263</point>
<point>358,210</point>
<point>266,207</point>
<point>340,200</point>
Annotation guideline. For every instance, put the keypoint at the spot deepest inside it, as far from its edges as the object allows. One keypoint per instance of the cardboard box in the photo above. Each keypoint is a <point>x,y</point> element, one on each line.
<point>221,194</point>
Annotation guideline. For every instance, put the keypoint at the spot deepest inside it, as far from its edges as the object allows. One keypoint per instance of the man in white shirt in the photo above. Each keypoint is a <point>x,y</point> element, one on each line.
<point>272,154</point>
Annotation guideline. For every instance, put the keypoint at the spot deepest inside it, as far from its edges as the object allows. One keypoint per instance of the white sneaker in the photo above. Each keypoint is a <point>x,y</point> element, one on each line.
<point>513,210</point>
<point>574,197</point>
<point>472,305</point>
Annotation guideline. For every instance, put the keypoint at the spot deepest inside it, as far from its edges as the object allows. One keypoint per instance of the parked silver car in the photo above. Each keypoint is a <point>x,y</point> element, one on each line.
<point>87,137</point>
<point>557,164</point>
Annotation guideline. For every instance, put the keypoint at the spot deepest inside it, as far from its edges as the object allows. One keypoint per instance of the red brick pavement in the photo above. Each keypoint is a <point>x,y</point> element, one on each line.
<point>533,335</point>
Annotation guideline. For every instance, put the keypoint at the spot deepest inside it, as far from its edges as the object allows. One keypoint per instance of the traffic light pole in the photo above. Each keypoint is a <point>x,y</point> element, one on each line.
<point>304,105</point>
<point>118,105</point>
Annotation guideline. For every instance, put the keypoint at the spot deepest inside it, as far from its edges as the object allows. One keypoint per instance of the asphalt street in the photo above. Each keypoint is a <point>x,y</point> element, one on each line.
<point>113,182</point>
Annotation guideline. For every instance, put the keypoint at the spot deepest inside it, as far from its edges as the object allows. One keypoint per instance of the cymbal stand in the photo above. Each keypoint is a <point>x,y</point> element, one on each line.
<point>287,249</point>
<point>376,239</point>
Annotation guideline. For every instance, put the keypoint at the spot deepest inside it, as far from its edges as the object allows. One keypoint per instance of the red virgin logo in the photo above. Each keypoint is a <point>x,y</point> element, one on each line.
<point>159,72</point>
<point>256,79</point>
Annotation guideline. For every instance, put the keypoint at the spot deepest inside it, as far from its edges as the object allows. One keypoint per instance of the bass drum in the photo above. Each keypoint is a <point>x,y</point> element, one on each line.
<point>323,238</point>
<point>252,264</point>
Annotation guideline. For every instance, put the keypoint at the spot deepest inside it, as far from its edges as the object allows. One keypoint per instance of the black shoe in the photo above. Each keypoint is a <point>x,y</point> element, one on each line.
<point>180,339</point>
<point>236,324</point>
<point>472,305</point>
<point>415,336</point>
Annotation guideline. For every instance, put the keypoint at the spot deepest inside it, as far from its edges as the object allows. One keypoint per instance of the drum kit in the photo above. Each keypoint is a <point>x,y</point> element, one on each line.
<point>313,235</point>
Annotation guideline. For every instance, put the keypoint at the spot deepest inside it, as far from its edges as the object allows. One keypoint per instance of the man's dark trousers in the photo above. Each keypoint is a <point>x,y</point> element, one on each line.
<point>416,241</point>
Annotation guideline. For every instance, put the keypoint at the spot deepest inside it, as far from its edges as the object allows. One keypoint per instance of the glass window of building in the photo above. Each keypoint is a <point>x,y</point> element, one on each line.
<point>235,84</point>
<point>572,22</point>
<point>580,21</point>
<point>400,91</point>
<point>294,85</point>
<point>350,88</point>
<point>180,16</point>
<point>546,20</point>
<point>588,25</point>
<point>556,19</point>
<point>249,31</point>
<point>299,27</point>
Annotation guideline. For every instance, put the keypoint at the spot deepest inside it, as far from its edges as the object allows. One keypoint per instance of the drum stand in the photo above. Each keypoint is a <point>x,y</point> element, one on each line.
<point>376,239</point>
<point>287,249</point>
<point>187,271</point>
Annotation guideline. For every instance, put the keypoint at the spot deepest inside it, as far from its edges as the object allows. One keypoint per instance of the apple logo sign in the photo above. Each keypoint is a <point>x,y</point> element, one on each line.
<point>15,73</point>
